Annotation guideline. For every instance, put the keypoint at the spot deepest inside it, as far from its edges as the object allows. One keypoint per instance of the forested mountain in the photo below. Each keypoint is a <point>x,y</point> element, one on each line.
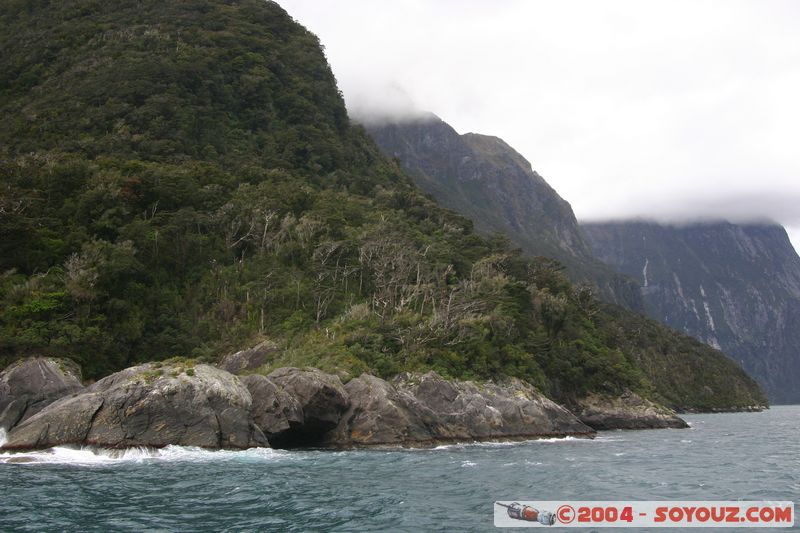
<point>487,181</point>
<point>182,179</point>
<point>733,286</point>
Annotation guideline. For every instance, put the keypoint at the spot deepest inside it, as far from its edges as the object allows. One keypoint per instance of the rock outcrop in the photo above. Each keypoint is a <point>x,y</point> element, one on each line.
<point>275,411</point>
<point>380,413</point>
<point>248,360</point>
<point>148,405</point>
<point>297,407</point>
<point>628,411</point>
<point>179,403</point>
<point>30,385</point>
<point>417,409</point>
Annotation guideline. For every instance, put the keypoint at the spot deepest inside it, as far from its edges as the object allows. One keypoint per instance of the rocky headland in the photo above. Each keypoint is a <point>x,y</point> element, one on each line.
<point>627,411</point>
<point>43,404</point>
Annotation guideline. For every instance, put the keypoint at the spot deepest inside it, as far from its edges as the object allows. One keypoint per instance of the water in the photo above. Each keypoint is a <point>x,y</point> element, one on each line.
<point>750,456</point>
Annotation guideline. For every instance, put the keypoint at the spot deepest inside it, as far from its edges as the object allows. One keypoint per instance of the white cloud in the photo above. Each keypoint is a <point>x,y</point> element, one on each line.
<point>676,109</point>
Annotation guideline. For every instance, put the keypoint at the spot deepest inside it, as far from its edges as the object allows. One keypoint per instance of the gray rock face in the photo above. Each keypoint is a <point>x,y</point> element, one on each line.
<point>66,421</point>
<point>321,396</point>
<point>734,287</point>
<point>148,405</point>
<point>485,179</point>
<point>249,359</point>
<point>380,413</point>
<point>275,411</point>
<point>161,404</point>
<point>489,182</point>
<point>297,407</point>
<point>628,411</point>
<point>30,385</point>
<point>421,409</point>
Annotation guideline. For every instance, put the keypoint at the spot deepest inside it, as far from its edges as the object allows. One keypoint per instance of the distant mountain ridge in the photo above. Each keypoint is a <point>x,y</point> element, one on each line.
<point>486,180</point>
<point>734,286</point>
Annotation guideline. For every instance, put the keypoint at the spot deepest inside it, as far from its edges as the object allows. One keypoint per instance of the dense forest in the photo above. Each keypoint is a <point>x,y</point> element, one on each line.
<point>182,179</point>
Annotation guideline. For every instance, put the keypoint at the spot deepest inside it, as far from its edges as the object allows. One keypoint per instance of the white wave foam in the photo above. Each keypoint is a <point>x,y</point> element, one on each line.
<point>606,438</point>
<point>3,437</point>
<point>564,439</point>
<point>498,444</point>
<point>67,455</point>
<point>459,445</point>
<point>88,456</point>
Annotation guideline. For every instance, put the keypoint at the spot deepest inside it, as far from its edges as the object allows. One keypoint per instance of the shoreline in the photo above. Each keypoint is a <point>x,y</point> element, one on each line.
<point>155,405</point>
<point>81,454</point>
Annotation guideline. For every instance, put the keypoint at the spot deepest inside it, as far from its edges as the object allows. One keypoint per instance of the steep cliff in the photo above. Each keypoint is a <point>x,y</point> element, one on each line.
<point>487,181</point>
<point>735,287</point>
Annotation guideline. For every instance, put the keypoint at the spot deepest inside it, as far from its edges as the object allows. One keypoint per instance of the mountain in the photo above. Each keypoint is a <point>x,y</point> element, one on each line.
<point>486,180</point>
<point>735,287</point>
<point>181,179</point>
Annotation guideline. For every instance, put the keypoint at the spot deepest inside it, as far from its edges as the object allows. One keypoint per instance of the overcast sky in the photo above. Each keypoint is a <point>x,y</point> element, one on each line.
<point>673,109</point>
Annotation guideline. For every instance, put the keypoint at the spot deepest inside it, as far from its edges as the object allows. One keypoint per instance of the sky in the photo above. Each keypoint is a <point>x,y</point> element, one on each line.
<point>676,110</point>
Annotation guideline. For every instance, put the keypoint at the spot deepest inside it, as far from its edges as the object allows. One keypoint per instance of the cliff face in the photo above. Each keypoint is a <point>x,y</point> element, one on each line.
<point>735,287</point>
<point>486,180</point>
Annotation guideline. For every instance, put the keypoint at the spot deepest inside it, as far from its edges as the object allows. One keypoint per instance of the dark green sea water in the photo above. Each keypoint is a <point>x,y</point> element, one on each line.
<point>749,456</point>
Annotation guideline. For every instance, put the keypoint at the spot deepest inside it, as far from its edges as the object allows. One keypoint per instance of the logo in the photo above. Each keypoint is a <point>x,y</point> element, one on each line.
<point>661,514</point>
